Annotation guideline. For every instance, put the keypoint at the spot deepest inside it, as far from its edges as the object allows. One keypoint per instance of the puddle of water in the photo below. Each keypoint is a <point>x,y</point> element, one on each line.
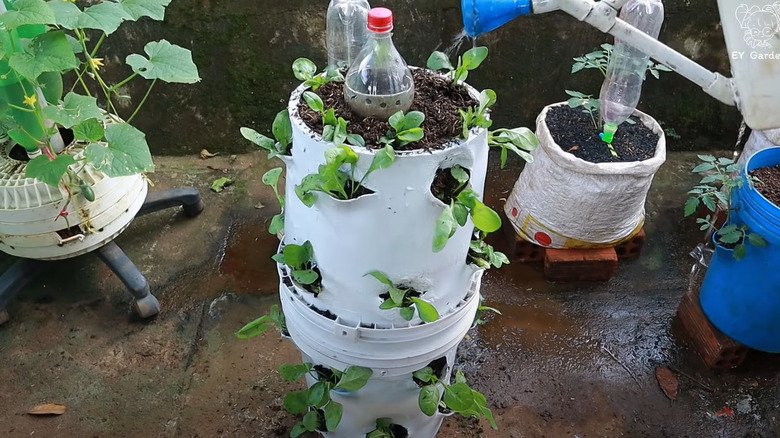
<point>246,266</point>
<point>536,323</point>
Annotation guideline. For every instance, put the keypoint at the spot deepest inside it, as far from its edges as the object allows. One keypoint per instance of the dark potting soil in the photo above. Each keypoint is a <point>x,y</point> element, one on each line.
<point>573,130</point>
<point>434,96</point>
<point>770,183</point>
<point>445,187</point>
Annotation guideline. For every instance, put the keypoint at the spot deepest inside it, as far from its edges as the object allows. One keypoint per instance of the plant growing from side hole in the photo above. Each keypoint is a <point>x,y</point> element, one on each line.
<point>405,129</point>
<point>404,299</point>
<point>320,413</point>
<point>455,214</point>
<point>271,179</point>
<point>259,326</point>
<point>282,132</point>
<point>720,177</point>
<point>305,70</point>
<point>338,183</point>
<point>481,310</point>
<point>334,129</point>
<point>385,428</point>
<point>521,141</point>
<point>300,260</point>
<point>458,397</point>
<point>469,61</point>
<point>483,255</point>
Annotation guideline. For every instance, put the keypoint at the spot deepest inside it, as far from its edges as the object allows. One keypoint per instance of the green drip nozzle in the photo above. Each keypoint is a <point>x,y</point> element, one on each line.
<point>609,132</point>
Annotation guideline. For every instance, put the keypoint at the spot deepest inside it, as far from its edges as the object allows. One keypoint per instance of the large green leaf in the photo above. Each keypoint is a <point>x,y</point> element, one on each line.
<point>47,52</point>
<point>485,218</point>
<point>354,378</point>
<point>426,311</point>
<point>291,373</point>
<point>296,402</point>
<point>27,12</point>
<point>74,109</point>
<point>105,16</point>
<point>428,400</point>
<point>458,397</point>
<point>333,413</point>
<point>67,14</point>
<point>167,62</point>
<point>48,171</point>
<point>154,9</point>
<point>126,154</point>
<point>89,130</point>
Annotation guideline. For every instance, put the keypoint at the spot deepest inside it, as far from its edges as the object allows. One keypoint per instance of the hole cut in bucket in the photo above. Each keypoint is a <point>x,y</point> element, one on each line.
<point>449,182</point>
<point>385,428</point>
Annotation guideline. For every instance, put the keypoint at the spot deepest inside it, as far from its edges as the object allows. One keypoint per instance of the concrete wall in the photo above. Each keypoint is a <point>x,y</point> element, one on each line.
<point>244,49</point>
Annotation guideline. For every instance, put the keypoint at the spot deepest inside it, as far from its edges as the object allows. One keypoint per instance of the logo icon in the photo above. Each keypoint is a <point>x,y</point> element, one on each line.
<point>760,24</point>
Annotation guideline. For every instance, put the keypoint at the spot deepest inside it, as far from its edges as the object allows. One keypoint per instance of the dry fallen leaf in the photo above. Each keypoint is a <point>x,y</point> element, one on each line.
<point>48,409</point>
<point>667,381</point>
<point>573,148</point>
<point>204,153</point>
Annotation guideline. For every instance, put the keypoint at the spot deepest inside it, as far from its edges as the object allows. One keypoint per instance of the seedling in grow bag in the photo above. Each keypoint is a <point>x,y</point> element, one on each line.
<point>300,260</point>
<point>334,128</point>
<point>458,397</point>
<point>320,413</point>
<point>271,179</point>
<point>404,299</point>
<point>282,131</point>
<point>257,327</point>
<point>305,70</point>
<point>405,129</point>
<point>333,180</point>
<point>714,190</point>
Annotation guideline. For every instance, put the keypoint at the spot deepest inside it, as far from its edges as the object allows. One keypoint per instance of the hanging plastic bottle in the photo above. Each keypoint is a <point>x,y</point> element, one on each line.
<point>379,83</point>
<point>623,85</point>
<point>346,31</point>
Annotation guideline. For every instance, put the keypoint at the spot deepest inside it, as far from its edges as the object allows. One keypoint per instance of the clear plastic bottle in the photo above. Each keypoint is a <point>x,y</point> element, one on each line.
<point>379,83</point>
<point>623,85</point>
<point>346,31</point>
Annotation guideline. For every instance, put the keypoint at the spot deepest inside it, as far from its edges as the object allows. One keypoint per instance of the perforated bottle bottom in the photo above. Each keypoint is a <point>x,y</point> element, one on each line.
<point>380,107</point>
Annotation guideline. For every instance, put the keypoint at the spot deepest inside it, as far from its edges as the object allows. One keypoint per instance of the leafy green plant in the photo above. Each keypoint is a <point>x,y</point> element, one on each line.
<point>483,255</point>
<point>333,180</point>
<point>259,326</point>
<point>282,132</point>
<point>481,310</point>
<point>465,204</point>
<point>470,60</point>
<point>271,179</point>
<point>320,412</point>
<point>458,397</point>
<point>599,60</point>
<point>300,259</point>
<point>720,177</point>
<point>405,299</point>
<point>588,103</point>
<point>334,129</point>
<point>405,129</point>
<point>305,70</point>
<point>477,116</point>
<point>45,40</point>
<point>386,429</point>
<point>521,141</point>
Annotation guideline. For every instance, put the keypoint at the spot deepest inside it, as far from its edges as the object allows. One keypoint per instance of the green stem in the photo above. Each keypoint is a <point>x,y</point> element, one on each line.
<point>142,101</point>
<point>97,45</point>
<point>20,108</point>
<point>83,84</point>
<point>126,80</point>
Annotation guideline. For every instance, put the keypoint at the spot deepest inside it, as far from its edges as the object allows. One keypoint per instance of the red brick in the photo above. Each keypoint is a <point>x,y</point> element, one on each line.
<point>717,350</point>
<point>519,249</point>
<point>631,248</point>
<point>580,264</point>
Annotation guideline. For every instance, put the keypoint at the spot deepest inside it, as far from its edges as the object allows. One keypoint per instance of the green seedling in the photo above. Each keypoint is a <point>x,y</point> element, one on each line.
<point>271,179</point>
<point>385,428</point>
<point>333,179</point>
<point>259,326</point>
<point>599,60</point>
<point>405,129</point>
<point>405,299</point>
<point>334,129</point>
<point>470,60</point>
<point>482,309</point>
<point>478,117</point>
<point>306,71</point>
<point>720,177</point>
<point>521,141</point>
<point>282,132</point>
<point>300,259</point>
<point>455,214</point>
<point>458,397</point>
<point>483,255</point>
<point>320,413</point>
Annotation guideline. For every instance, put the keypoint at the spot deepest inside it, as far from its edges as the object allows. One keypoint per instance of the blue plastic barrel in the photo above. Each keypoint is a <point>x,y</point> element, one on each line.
<point>742,298</point>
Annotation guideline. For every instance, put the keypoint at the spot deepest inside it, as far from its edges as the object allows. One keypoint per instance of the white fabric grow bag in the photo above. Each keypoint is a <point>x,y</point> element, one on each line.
<point>561,201</point>
<point>757,141</point>
<point>390,230</point>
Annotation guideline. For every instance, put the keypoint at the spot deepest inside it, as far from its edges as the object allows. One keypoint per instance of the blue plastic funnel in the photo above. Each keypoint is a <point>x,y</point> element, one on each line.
<point>482,16</point>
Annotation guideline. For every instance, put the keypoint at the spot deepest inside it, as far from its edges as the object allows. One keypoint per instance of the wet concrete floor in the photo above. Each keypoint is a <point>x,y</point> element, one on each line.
<point>562,360</point>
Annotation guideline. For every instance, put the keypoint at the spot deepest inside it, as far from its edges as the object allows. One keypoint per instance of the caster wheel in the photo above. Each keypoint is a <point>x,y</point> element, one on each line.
<point>147,307</point>
<point>192,210</point>
<point>4,317</point>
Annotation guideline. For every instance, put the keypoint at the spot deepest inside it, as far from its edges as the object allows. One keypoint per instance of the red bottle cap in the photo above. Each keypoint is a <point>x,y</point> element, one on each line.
<point>380,20</point>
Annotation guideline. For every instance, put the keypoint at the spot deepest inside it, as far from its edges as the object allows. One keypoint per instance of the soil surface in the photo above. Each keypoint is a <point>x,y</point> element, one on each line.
<point>770,176</point>
<point>572,129</point>
<point>434,96</point>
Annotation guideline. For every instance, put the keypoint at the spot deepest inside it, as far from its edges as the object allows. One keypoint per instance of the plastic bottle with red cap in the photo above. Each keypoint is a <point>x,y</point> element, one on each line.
<point>379,83</point>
